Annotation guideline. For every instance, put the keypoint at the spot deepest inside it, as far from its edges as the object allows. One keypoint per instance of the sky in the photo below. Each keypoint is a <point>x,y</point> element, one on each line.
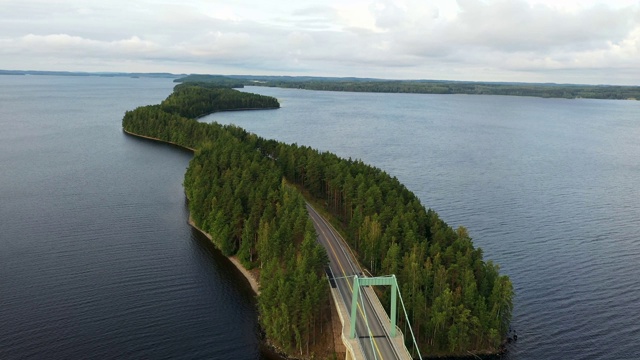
<point>560,41</point>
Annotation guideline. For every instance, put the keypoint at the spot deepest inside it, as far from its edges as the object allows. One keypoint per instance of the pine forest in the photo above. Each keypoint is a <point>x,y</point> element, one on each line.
<point>247,193</point>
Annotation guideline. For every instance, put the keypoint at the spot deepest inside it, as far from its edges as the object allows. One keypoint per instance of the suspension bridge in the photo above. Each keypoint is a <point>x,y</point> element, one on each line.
<point>368,332</point>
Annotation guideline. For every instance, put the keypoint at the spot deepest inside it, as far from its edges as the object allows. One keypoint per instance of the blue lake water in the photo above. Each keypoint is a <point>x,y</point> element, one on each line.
<point>549,188</point>
<point>97,260</point>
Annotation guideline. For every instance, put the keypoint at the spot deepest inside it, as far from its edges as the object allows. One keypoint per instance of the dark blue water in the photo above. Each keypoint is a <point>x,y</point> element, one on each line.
<point>549,188</point>
<point>97,260</point>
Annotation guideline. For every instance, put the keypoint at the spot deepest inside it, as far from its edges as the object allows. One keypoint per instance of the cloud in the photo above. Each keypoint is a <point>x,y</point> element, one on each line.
<point>387,14</point>
<point>515,25</point>
<point>466,39</point>
<point>520,37</point>
<point>64,44</point>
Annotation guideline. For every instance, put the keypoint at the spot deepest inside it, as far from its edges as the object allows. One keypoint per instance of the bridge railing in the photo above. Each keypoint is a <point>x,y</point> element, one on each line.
<point>352,345</point>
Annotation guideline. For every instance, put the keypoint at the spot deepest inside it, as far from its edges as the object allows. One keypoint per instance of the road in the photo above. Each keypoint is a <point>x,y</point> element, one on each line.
<point>374,339</point>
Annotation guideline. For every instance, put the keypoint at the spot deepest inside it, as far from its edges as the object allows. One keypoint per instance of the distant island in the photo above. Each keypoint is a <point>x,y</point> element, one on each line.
<point>81,73</point>
<point>351,84</point>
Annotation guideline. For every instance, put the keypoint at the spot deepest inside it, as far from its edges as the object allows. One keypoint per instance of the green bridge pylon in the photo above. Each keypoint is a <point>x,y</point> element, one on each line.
<point>387,280</point>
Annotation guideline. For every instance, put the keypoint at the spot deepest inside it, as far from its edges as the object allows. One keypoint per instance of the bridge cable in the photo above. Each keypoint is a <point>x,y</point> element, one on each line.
<point>410,329</point>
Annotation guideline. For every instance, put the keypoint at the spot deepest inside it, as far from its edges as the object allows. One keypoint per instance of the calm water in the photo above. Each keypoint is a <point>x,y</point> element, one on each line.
<point>549,188</point>
<point>97,260</point>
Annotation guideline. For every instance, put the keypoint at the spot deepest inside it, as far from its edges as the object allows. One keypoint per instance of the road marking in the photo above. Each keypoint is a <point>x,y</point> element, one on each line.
<point>375,343</point>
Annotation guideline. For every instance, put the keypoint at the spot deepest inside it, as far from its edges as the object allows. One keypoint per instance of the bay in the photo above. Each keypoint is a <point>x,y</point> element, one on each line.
<point>97,260</point>
<point>548,188</point>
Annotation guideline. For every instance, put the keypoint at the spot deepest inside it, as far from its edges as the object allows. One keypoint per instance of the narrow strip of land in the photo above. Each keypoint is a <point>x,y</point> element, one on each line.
<point>372,328</point>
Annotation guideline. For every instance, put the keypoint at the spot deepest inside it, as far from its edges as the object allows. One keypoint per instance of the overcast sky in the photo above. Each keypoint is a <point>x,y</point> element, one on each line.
<point>563,41</point>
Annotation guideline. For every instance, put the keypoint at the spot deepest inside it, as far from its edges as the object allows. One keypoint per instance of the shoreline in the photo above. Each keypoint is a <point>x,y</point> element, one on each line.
<point>253,282</point>
<point>160,140</point>
<point>265,345</point>
<point>266,348</point>
<point>255,286</point>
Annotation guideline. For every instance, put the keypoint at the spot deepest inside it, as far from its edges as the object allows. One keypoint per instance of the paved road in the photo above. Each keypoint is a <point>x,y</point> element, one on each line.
<point>374,339</point>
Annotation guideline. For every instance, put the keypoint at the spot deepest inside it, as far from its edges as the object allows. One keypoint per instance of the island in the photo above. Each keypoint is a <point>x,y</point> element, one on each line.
<point>350,84</point>
<point>249,195</point>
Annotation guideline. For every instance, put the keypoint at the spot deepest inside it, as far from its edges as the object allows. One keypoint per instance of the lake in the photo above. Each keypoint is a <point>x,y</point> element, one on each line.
<point>97,260</point>
<point>548,188</point>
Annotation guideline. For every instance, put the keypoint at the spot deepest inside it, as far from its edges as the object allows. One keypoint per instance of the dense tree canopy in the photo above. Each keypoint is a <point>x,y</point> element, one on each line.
<point>457,301</point>
<point>237,190</point>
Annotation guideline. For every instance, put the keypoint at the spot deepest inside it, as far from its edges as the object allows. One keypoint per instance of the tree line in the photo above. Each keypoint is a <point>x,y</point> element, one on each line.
<point>237,195</point>
<point>544,90</point>
<point>456,301</point>
<point>566,91</point>
<point>237,190</point>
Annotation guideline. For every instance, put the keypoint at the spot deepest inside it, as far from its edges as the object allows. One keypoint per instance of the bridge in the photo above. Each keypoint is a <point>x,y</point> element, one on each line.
<point>367,330</point>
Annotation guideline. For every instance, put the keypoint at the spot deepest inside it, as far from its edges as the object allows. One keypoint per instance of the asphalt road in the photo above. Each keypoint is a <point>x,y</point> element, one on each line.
<point>374,338</point>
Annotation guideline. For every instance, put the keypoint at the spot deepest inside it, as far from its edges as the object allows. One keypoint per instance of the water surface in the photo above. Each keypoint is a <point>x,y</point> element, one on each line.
<point>97,260</point>
<point>547,187</point>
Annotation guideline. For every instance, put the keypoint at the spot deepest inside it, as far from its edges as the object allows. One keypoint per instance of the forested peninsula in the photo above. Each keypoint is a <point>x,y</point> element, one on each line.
<point>245,191</point>
<point>544,90</point>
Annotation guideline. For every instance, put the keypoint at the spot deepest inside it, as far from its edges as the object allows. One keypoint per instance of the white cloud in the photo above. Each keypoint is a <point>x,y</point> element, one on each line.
<point>532,40</point>
<point>67,45</point>
<point>515,25</point>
